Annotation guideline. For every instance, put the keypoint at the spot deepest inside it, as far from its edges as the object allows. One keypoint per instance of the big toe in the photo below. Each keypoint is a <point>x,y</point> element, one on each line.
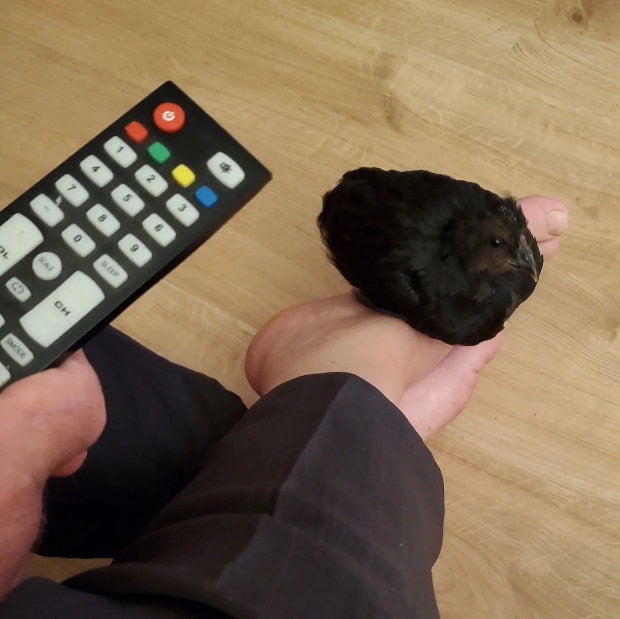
<point>547,219</point>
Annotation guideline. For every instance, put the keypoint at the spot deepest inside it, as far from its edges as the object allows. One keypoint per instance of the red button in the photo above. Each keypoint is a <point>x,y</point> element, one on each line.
<point>136,131</point>
<point>169,117</point>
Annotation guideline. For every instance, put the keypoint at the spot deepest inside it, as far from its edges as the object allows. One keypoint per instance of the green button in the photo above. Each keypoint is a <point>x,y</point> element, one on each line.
<point>159,152</point>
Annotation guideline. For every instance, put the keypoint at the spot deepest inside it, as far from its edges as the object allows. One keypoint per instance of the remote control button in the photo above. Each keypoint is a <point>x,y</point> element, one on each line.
<point>97,171</point>
<point>169,117</point>
<point>205,196</point>
<point>159,152</point>
<point>182,210</point>
<point>47,265</point>
<point>16,349</point>
<point>135,250</point>
<point>18,237</point>
<point>110,270</point>
<point>128,200</point>
<point>46,210</point>
<point>152,181</point>
<point>136,132</point>
<point>62,309</point>
<point>18,289</point>
<point>103,220</point>
<point>159,230</point>
<point>183,175</point>
<point>71,190</point>
<point>120,151</point>
<point>227,171</point>
<point>5,375</point>
<point>78,240</point>
<point>2,321</point>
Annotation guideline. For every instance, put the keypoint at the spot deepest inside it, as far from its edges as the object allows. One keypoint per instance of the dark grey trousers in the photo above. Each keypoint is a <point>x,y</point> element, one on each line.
<point>319,502</point>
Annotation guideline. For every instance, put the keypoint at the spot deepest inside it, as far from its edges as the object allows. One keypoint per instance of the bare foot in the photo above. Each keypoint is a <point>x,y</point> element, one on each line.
<point>340,335</point>
<point>428,380</point>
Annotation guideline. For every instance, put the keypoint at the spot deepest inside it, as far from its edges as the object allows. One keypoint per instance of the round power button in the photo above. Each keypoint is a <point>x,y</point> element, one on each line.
<point>169,117</point>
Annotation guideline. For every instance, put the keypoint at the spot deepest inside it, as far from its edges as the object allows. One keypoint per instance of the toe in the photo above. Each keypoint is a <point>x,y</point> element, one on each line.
<point>547,218</point>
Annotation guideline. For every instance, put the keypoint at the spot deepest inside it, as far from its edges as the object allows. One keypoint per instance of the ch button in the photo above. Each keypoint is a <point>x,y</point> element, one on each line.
<point>169,117</point>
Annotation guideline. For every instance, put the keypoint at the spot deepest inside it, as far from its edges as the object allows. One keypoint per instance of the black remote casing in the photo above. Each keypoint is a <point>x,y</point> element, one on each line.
<point>199,139</point>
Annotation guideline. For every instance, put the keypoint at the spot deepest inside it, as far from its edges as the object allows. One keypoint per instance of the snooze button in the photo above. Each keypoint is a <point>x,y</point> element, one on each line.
<point>47,265</point>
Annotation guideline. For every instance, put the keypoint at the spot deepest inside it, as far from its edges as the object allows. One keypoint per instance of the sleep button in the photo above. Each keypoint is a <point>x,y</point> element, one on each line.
<point>110,270</point>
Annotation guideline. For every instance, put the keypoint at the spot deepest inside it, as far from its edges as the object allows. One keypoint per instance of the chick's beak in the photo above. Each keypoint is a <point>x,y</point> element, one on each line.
<point>525,259</point>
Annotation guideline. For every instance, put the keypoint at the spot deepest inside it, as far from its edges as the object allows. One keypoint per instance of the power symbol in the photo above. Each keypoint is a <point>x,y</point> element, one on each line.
<point>169,117</point>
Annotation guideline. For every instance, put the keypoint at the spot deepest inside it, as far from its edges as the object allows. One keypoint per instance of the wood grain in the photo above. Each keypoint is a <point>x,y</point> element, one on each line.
<point>519,96</point>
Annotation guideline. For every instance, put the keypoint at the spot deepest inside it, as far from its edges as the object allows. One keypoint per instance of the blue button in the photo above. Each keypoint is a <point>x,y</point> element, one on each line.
<point>205,196</point>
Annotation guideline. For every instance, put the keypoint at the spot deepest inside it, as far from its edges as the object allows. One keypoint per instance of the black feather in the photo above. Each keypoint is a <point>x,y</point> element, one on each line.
<point>449,257</point>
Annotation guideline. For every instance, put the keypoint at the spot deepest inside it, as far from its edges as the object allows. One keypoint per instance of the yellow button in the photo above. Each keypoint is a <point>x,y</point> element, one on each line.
<point>183,175</point>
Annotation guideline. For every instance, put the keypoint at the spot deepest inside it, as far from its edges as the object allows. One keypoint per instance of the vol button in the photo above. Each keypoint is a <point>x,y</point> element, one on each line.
<point>169,117</point>
<point>47,265</point>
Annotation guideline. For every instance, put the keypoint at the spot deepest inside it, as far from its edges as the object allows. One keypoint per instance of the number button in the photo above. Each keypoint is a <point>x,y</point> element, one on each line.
<point>159,230</point>
<point>151,180</point>
<point>47,265</point>
<point>227,171</point>
<point>46,210</point>
<point>18,289</point>
<point>128,200</point>
<point>135,250</point>
<point>78,240</point>
<point>120,152</point>
<point>103,220</point>
<point>71,190</point>
<point>97,171</point>
<point>182,210</point>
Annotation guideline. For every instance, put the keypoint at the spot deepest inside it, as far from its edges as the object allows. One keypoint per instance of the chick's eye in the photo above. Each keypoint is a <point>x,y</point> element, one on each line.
<point>495,242</point>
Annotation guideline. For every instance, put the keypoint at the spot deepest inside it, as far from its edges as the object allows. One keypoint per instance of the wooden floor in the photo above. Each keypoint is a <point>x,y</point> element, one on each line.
<point>522,97</point>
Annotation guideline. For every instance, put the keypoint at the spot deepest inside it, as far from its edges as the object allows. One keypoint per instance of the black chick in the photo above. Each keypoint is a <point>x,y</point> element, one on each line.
<point>449,257</point>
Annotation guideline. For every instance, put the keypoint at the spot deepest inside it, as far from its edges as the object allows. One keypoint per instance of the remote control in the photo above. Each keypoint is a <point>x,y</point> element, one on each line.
<point>104,226</point>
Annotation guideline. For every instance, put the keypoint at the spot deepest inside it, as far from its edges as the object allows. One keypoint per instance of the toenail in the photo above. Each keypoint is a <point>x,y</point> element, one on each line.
<point>557,222</point>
